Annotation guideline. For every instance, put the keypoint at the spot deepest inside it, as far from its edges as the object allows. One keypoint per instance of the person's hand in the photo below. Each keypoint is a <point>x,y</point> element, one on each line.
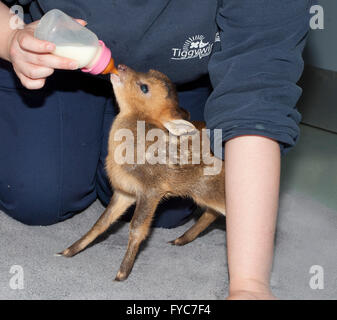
<point>32,59</point>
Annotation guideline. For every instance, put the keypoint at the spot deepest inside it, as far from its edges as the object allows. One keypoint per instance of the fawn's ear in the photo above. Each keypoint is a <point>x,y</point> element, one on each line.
<point>180,127</point>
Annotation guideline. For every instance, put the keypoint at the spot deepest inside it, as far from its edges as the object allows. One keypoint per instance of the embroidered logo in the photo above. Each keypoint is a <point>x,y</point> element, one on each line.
<point>194,47</point>
<point>217,37</point>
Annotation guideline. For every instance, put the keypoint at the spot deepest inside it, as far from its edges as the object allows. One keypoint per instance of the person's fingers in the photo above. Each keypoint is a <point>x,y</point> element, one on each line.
<point>36,72</point>
<point>28,42</point>
<point>81,21</point>
<point>33,60</point>
<point>51,61</point>
<point>31,84</point>
<point>32,25</point>
<point>33,71</point>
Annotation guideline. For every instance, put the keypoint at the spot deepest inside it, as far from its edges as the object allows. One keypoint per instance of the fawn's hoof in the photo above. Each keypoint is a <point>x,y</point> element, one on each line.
<point>58,254</point>
<point>66,253</point>
<point>178,242</point>
<point>121,276</point>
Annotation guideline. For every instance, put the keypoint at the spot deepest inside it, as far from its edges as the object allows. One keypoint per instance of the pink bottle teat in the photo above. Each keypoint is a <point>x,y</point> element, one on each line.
<point>104,63</point>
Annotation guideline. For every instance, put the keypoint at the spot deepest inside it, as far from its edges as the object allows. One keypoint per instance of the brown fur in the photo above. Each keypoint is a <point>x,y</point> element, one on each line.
<point>147,184</point>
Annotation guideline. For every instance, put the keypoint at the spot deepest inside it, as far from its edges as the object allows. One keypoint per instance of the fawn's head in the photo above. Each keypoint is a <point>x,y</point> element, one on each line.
<point>153,96</point>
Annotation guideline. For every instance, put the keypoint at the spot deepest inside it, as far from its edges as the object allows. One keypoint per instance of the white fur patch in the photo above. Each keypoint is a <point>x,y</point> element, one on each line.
<point>179,127</point>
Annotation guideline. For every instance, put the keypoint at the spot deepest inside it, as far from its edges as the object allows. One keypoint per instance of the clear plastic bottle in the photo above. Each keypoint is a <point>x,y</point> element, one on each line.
<point>76,42</point>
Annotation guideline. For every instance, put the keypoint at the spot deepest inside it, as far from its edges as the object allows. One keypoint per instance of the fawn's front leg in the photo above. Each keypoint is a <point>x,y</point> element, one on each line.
<point>117,206</point>
<point>139,229</point>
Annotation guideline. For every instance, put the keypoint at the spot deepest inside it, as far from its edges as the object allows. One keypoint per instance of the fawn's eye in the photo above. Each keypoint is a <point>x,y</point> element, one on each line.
<point>144,88</point>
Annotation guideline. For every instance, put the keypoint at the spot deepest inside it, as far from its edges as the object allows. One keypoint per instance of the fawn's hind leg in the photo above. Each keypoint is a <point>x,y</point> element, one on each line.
<point>139,229</point>
<point>117,206</point>
<point>207,218</point>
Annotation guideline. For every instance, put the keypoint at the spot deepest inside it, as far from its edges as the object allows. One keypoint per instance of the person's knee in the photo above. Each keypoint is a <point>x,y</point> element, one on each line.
<point>33,206</point>
<point>45,203</point>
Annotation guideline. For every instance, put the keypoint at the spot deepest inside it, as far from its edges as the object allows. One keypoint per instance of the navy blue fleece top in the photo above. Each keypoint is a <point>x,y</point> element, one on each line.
<point>251,49</point>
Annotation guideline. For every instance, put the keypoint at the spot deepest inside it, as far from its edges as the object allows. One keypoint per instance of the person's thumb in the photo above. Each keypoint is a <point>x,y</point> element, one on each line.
<point>33,25</point>
<point>81,21</point>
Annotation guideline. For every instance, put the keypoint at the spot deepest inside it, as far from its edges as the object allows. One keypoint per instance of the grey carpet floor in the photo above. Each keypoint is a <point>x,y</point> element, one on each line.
<point>306,236</point>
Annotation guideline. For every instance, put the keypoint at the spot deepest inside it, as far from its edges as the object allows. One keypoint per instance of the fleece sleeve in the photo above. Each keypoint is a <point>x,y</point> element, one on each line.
<point>12,2</point>
<point>255,72</point>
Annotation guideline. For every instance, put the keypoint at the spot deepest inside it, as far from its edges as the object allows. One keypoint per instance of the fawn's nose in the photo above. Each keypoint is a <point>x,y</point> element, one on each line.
<point>122,67</point>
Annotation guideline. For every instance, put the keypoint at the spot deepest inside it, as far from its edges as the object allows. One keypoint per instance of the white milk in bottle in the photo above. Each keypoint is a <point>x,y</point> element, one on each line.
<point>84,55</point>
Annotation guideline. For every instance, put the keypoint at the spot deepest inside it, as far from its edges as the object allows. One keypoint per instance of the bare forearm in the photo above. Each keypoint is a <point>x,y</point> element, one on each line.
<point>252,192</point>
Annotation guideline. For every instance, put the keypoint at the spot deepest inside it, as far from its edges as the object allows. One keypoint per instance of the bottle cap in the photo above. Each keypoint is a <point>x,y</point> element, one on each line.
<point>101,62</point>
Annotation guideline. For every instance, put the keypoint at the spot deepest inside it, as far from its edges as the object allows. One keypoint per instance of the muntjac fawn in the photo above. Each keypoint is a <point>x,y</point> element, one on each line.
<point>149,101</point>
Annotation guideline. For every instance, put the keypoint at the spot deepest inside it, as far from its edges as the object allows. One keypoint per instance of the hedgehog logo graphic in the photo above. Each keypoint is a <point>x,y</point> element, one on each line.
<point>194,47</point>
<point>195,42</point>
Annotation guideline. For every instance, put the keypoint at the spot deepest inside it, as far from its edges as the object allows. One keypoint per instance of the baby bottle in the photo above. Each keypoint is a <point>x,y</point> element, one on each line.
<point>76,42</point>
